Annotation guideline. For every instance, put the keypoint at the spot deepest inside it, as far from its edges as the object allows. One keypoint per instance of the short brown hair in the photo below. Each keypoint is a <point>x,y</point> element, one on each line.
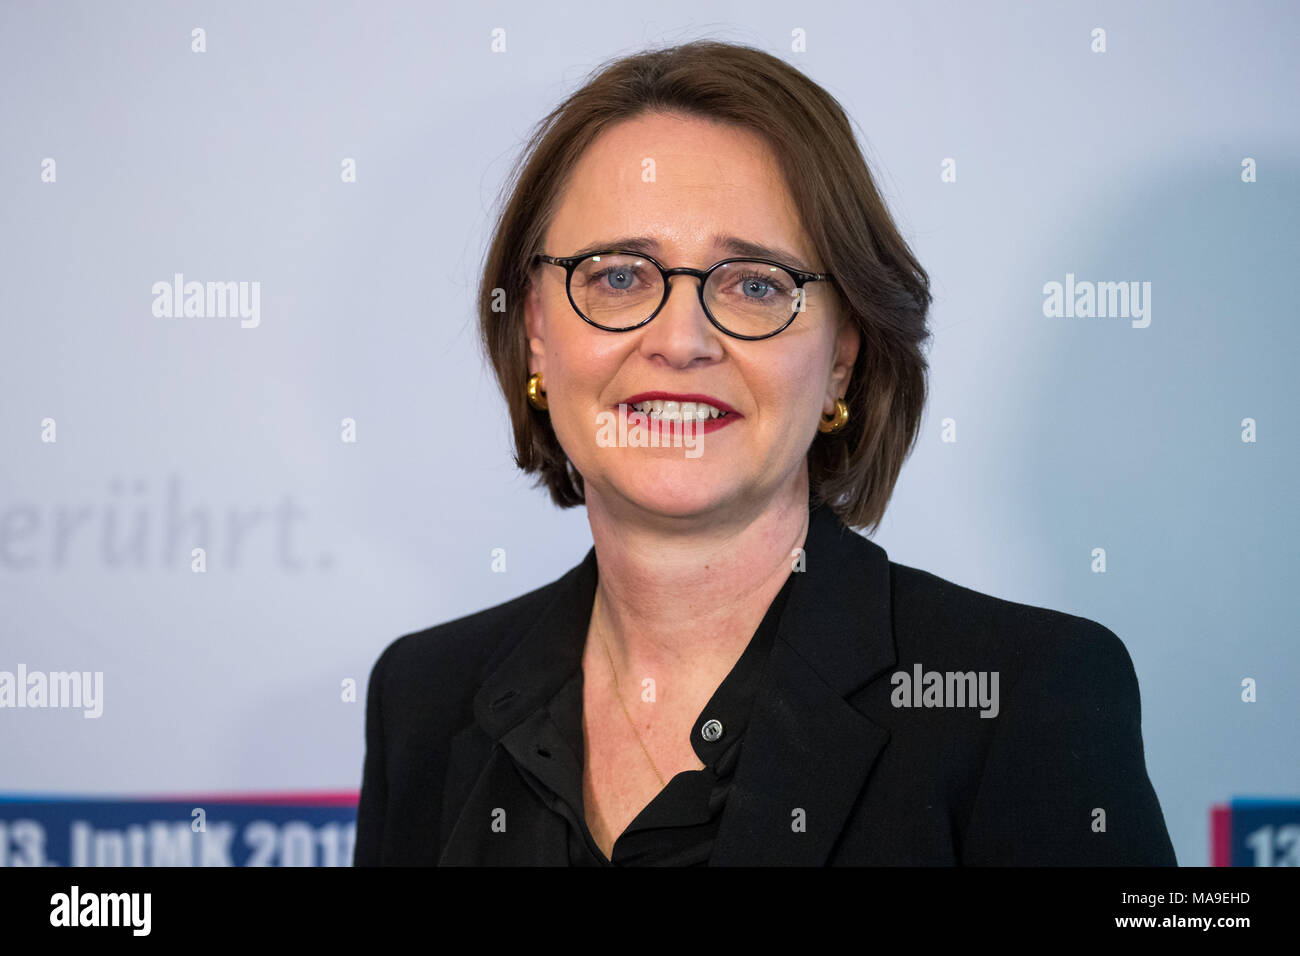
<point>884,288</point>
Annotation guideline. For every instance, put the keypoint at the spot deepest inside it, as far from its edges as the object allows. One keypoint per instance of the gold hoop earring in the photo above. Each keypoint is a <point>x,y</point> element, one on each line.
<point>833,423</point>
<point>536,397</point>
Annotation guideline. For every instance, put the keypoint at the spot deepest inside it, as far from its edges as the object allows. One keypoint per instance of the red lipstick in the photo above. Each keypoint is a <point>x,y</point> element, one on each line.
<point>701,426</point>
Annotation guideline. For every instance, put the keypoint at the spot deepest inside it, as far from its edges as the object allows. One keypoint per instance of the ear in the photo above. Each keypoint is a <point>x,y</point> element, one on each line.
<point>848,339</point>
<point>535,322</point>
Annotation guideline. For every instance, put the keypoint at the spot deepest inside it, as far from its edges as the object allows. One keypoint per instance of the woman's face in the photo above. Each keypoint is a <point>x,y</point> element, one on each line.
<point>687,188</point>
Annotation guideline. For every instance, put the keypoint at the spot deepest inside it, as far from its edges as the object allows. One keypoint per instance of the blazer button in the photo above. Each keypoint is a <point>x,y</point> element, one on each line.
<point>711,730</point>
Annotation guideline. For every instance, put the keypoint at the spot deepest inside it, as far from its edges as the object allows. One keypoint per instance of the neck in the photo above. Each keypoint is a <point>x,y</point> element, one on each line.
<point>681,599</point>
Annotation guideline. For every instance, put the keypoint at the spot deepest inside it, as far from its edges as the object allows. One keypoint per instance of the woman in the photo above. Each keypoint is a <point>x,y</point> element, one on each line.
<point>708,331</point>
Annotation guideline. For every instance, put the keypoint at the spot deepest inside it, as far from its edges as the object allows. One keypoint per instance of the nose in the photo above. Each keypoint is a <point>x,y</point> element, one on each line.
<point>681,334</point>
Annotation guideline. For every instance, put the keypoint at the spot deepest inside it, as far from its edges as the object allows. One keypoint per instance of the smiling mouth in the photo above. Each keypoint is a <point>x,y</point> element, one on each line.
<point>670,411</point>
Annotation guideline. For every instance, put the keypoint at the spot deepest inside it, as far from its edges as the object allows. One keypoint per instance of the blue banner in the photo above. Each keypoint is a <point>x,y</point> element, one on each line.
<point>174,832</point>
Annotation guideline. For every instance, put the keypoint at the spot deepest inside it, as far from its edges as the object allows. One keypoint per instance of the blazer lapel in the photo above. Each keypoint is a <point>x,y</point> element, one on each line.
<point>530,834</point>
<point>807,752</point>
<point>510,702</point>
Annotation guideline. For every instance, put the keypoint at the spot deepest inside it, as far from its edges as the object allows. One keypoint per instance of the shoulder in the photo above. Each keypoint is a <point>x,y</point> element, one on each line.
<point>448,660</point>
<point>1059,775</point>
<point>942,619</point>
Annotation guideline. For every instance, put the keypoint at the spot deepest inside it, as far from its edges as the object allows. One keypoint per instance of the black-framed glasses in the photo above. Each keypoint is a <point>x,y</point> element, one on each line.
<point>745,298</point>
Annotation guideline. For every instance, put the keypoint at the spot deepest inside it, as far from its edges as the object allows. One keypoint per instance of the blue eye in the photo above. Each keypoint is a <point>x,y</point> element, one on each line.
<point>758,287</point>
<point>620,279</point>
<point>614,279</point>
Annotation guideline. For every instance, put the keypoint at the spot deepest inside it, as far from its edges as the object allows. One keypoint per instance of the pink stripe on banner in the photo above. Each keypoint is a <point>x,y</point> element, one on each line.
<point>1220,835</point>
<point>337,798</point>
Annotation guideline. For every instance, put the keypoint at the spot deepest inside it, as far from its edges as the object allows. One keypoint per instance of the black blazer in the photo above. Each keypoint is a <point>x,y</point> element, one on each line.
<point>833,769</point>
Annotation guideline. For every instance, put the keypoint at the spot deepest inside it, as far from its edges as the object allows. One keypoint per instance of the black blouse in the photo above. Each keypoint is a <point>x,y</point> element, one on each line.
<point>677,827</point>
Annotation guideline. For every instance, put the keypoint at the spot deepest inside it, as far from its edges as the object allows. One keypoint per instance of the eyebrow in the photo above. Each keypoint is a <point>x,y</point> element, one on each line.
<point>731,245</point>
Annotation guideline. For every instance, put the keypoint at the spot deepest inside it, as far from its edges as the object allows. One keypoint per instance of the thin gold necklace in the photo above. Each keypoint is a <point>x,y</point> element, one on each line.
<point>618,691</point>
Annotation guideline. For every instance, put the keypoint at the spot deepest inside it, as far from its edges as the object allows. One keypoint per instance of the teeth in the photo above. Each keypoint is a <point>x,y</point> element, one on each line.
<point>670,411</point>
